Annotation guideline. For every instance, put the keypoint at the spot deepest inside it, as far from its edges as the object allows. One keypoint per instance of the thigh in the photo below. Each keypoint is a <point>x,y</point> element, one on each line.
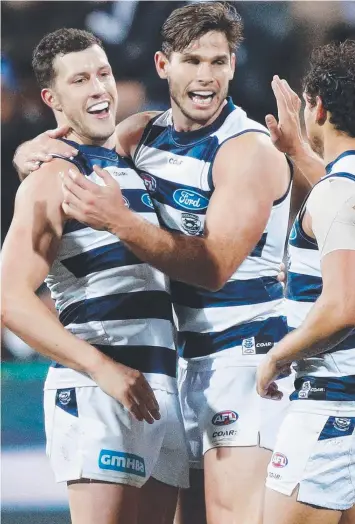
<point>191,507</point>
<point>93,502</point>
<point>157,503</point>
<point>283,509</point>
<point>348,517</point>
<point>234,484</point>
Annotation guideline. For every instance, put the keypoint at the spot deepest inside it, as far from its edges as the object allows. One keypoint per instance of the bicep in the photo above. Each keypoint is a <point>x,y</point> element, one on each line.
<point>338,275</point>
<point>34,235</point>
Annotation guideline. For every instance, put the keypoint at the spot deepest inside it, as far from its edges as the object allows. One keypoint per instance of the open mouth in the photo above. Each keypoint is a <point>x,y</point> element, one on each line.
<point>101,109</point>
<point>202,98</point>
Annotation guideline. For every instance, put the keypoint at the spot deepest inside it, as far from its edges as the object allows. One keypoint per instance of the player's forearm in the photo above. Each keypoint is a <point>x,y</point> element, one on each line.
<point>308,163</point>
<point>326,325</point>
<point>188,259</point>
<point>20,151</point>
<point>25,315</point>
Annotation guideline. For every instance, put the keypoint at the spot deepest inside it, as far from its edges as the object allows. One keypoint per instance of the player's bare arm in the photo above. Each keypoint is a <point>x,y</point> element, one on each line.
<point>31,154</point>
<point>249,175</point>
<point>330,218</point>
<point>28,253</point>
<point>286,133</point>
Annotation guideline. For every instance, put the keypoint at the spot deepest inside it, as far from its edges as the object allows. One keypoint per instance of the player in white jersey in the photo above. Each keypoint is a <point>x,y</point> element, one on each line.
<point>112,415</point>
<point>311,477</point>
<point>213,174</point>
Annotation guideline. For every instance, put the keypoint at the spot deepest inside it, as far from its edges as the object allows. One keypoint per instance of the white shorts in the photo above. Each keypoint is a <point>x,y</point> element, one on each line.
<point>315,451</point>
<point>221,408</point>
<point>91,435</point>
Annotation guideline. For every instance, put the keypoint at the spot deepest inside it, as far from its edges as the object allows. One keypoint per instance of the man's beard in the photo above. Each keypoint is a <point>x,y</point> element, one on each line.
<point>317,146</point>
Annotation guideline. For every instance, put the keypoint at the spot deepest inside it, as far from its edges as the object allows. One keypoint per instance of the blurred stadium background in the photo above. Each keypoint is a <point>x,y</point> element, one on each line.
<point>278,39</point>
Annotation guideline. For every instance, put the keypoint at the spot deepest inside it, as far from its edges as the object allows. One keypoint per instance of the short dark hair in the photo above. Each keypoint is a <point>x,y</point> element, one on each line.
<point>332,78</point>
<point>192,21</point>
<point>60,42</point>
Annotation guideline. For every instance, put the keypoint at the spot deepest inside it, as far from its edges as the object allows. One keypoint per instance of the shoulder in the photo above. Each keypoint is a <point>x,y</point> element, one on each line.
<point>129,132</point>
<point>44,184</point>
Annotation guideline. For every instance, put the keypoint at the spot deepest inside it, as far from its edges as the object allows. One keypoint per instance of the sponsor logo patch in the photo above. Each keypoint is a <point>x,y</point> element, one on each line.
<point>191,223</point>
<point>190,200</point>
<point>307,389</point>
<point>279,460</point>
<point>248,346</point>
<point>149,182</point>
<point>124,462</point>
<point>224,434</point>
<point>175,161</point>
<point>224,418</point>
<point>147,201</point>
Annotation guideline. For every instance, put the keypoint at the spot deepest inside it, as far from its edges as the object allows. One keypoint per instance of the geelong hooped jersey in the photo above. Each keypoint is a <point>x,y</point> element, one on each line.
<point>177,170</point>
<point>105,295</point>
<point>330,375</point>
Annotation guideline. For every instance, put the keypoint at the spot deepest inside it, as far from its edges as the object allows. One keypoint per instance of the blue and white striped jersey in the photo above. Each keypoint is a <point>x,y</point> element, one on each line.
<point>105,295</point>
<point>330,375</point>
<point>177,170</point>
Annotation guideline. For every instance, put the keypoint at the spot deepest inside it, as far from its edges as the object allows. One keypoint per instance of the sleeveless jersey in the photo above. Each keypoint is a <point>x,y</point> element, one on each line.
<point>108,297</point>
<point>177,170</point>
<point>330,375</point>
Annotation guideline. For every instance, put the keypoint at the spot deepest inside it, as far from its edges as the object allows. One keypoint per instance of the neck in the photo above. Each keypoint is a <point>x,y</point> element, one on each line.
<point>335,143</point>
<point>182,123</point>
<point>76,136</point>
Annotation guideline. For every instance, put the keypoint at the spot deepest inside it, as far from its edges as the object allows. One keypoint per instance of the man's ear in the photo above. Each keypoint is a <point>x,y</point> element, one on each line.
<point>321,112</point>
<point>161,64</point>
<point>50,99</point>
<point>233,62</point>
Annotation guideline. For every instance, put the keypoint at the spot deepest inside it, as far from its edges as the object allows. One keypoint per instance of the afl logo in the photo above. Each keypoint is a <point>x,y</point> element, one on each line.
<point>147,201</point>
<point>224,418</point>
<point>279,460</point>
<point>189,199</point>
<point>126,201</point>
<point>149,182</point>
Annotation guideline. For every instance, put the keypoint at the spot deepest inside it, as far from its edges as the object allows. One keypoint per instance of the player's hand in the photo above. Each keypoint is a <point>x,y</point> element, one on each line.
<point>29,156</point>
<point>285,132</point>
<point>129,387</point>
<point>266,374</point>
<point>281,276</point>
<point>99,206</point>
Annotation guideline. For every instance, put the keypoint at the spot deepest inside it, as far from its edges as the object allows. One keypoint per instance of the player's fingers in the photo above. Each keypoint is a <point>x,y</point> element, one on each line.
<point>31,166</point>
<point>147,398</point>
<point>273,392</point>
<point>41,157</point>
<point>295,99</point>
<point>134,409</point>
<point>58,132</point>
<point>281,101</point>
<point>273,127</point>
<point>147,390</point>
<point>71,186</point>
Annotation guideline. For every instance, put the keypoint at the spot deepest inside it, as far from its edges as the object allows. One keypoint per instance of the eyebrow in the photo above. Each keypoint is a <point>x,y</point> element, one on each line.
<point>83,73</point>
<point>225,56</point>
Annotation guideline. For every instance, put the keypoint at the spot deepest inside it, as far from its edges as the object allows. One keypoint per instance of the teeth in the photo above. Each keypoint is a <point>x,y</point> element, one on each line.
<point>203,93</point>
<point>99,107</point>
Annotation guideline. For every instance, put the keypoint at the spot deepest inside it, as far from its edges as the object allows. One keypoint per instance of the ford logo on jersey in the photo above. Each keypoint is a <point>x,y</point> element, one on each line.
<point>224,418</point>
<point>189,199</point>
<point>147,200</point>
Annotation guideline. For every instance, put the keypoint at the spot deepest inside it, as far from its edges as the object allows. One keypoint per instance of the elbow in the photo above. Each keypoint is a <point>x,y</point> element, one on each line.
<point>214,280</point>
<point>8,307</point>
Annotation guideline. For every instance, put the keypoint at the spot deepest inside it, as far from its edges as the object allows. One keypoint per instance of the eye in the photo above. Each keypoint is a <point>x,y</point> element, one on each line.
<point>105,73</point>
<point>220,62</point>
<point>193,61</point>
<point>79,80</point>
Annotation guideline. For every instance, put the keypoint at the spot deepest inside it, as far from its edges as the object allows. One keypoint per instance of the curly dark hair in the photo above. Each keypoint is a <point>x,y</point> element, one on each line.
<point>332,78</point>
<point>60,42</point>
<point>192,21</point>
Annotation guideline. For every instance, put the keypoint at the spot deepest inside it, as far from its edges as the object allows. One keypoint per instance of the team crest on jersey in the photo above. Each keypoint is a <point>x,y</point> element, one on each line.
<point>64,397</point>
<point>147,201</point>
<point>279,460</point>
<point>248,346</point>
<point>190,200</point>
<point>224,418</point>
<point>126,201</point>
<point>342,424</point>
<point>191,223</point>
<point>149,182</point>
